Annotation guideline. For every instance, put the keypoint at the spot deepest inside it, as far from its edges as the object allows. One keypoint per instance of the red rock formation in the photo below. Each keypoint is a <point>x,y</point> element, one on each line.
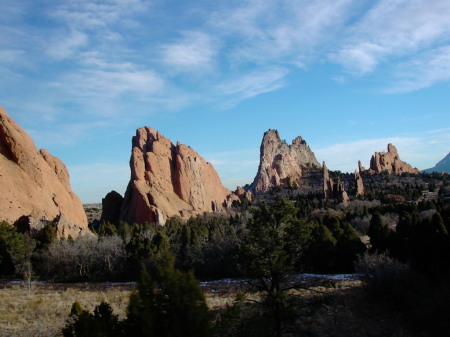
<point>111,205</point>
<point>359,184</point>
<point>242,194</point>
<point>390,161</point>
<point>169,180</point>
<point>35,184</point>
<point>327,182</point>
<point>281,164</point>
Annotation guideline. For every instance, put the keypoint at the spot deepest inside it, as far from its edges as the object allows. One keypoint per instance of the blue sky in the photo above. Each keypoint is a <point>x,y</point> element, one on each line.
<point>349,76</point>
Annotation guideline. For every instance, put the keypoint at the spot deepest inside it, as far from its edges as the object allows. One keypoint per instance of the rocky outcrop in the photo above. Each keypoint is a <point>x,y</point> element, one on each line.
<point>333,189</point>
<point>359,184</point>
<point>390,161</point>
<point>360,167</point>
<point>282,164</point>
<point>242,194</point>
<point>169,180</point>
<point>111,205</point>
<point>35,184</point>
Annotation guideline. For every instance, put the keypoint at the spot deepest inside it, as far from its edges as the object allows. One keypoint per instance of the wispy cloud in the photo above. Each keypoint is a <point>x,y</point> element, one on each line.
<point>252,84</point>
<point>427,69</point>
<point>193,52</point>
<point>392,30</point>
<point>65,46</point>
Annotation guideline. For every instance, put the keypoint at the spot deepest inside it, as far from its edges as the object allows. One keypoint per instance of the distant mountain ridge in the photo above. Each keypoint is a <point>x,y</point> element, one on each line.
<point>442,166</point>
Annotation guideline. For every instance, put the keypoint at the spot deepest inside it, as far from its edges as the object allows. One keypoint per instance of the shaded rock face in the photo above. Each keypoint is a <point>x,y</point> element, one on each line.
<point>359,184</point>
<point>111,205</point>
<point>390,161</point>
<point>328,184</point>
<point>333,189</point>
<point>35,184</point>
<point>169,180</point>
<point>281,164</point>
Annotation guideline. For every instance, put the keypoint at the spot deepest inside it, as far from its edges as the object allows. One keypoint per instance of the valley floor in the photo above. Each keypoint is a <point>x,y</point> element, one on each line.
<point>42,309</point>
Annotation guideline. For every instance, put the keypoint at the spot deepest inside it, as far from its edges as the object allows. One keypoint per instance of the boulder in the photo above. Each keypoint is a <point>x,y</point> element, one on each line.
<point>34,183</point>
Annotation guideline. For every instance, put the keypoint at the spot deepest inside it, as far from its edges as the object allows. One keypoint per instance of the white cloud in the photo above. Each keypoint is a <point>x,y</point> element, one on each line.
<point>111,84</point>
<point>280,31</point>
<point>252,84</point>
<point>65,46</point>
<point>391,30</point>
<point>422,72</point>
<point>195,50</point>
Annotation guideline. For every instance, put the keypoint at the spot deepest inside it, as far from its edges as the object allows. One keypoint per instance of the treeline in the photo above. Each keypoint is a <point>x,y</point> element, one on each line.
<point>209,245</point>
<point>206,244</point>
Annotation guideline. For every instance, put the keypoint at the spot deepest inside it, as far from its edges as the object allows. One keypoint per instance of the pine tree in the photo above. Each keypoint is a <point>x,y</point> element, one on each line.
<point>378,233</point>
<point>168,303</point>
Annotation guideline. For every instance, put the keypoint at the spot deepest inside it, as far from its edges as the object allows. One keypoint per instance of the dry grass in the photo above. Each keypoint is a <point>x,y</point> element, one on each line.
<point>43,310</point>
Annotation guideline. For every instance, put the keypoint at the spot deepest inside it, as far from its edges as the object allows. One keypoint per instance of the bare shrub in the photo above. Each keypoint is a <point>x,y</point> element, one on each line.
<point>83,259</point>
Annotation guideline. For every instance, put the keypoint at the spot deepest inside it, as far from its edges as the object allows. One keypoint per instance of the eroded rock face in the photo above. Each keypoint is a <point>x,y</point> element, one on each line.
<point>359,184</point>
<point>281,164</point>
<point>328,184</point>
<point>390,161</point>
<point>35,184</point>
<point>169,180</point>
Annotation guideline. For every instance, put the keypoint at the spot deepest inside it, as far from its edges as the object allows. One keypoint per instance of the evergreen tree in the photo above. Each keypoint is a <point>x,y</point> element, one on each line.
<point>378,233</point>
<point>271,253</point>
<point>168,303</point>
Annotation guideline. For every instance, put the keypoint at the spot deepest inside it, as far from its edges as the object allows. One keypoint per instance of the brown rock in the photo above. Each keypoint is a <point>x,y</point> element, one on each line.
<point>169,180</point>
<point>359,184</point>
<point>34,183</point>
<point>360,167</point>
<point>390,161</point>
<point>243,194</point>
<point>281,164</point>
<point>328,184</point>
<point>111,205</point>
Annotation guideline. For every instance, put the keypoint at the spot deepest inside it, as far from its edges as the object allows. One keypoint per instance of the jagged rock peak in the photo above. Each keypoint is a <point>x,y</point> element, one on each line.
<point>359,184</point>
<point>169,180</point>
<point>281,164</point>
<point>390,161</point>
<point>35,184</point>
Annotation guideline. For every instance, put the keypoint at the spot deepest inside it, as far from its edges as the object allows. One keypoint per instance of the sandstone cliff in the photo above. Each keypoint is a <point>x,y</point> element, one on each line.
<point>35,184</point>
<point>282,164</point>
<point>169,180</point>
<point>390,161</point>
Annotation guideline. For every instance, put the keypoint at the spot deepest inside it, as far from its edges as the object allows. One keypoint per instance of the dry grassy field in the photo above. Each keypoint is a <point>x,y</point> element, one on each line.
<point>43,309</point>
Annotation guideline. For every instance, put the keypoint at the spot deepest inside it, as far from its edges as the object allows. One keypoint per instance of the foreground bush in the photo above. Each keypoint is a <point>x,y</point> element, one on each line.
<point>168,303</point>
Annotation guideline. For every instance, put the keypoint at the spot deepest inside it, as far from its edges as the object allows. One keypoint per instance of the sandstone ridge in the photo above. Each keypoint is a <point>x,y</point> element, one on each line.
<point>390,161</point>
<point>170,180</point>
<point>282,164</point>
<point>35,184</point>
